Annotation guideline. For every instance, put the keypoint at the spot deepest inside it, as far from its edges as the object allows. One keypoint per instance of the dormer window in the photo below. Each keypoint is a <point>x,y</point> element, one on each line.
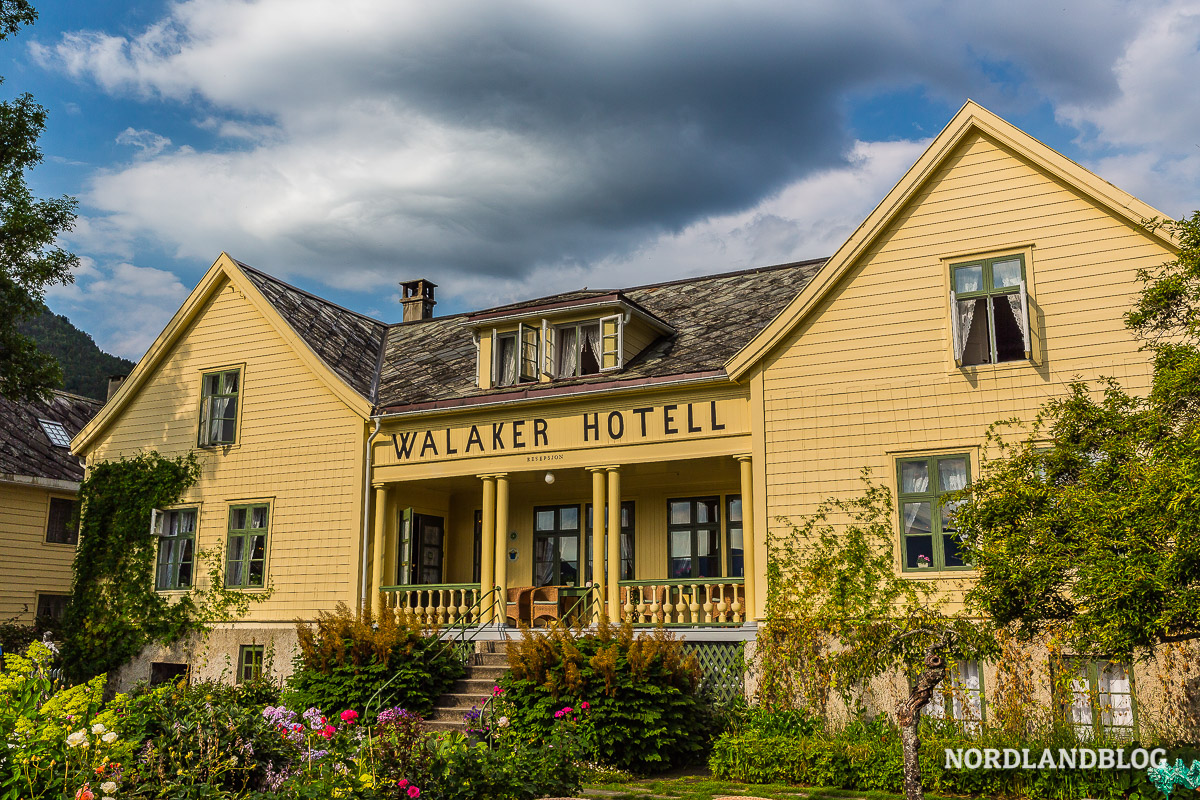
<point>516,355</point>
<point>588,347</point>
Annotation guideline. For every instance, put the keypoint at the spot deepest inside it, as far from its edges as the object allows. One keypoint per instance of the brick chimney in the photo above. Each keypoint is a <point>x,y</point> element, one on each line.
<point>114,383</point>
<point>417,299</point>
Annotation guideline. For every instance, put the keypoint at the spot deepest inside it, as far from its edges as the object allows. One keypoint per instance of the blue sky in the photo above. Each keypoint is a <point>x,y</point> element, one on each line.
<point>507,150</point>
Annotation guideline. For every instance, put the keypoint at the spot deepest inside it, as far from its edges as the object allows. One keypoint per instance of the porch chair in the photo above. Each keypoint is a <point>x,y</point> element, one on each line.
<point>519,608</point>
<point>545,604</point>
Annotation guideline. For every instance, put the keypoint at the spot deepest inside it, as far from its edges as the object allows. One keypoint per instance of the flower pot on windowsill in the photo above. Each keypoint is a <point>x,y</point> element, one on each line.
<point>923,565</point>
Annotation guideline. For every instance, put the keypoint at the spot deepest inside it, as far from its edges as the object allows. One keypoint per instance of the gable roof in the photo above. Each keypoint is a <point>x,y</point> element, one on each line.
<point>25,449</point>
<point>971,118</point>
<point>431,363</point>
<point>348,342</point>
<point>301,319</point>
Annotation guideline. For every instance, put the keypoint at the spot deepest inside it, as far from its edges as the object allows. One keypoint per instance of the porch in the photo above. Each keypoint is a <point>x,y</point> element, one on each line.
<point>502,549</point>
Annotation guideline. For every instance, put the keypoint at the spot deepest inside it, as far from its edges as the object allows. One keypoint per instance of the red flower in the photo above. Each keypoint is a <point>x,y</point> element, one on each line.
<point>414,792</point>
<point>584,705</point>
<point>349,717</point>
<point>328,731</point>
<point>85,793</point>
<point>402,782</point>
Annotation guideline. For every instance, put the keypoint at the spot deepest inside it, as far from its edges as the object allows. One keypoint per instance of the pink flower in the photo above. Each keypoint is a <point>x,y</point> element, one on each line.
<point>328,731</point>
<point>584,705</point>
<point>414,792</point>
<point>497,691</point>
<point>349,716</point>
<point>558,714</point>
<point>402,782</point>
<point>568,710</point>
<point>85,793</point>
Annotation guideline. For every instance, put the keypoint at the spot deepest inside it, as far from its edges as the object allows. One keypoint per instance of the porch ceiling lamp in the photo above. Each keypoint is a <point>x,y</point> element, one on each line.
<point>549,477</point>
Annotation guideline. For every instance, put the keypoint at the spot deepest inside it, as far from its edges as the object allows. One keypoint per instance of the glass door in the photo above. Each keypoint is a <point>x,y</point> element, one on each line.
<point>431,532</point>
<point>556,545</point>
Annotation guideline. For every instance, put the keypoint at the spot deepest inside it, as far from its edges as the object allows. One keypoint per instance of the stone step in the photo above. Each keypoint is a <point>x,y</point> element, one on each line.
<point>487,672</point>
<point>447,714</point>
<point>490,660</point>
<point>463,701</point>
<point>441,725</point>
<point>481,687</point>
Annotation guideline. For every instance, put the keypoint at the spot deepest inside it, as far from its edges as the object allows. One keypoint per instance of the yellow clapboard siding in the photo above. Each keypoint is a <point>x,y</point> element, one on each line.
<point>299,457</point>
<point>29,565</point>
<point>870,374</point>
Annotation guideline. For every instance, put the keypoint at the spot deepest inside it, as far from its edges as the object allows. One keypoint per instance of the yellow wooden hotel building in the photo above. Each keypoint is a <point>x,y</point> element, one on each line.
<point>418,465</point>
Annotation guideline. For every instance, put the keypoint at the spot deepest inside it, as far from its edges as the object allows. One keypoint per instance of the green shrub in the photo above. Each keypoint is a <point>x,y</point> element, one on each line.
<point>792,747</point>
<point>641,694</point>
<point>350,660</point>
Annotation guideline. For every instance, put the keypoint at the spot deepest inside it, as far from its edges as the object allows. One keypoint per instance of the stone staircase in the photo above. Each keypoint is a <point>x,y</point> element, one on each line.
<point>488,665</point>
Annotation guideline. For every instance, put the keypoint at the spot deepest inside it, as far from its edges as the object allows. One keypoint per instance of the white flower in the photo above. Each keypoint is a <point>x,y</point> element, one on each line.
<point>77,738</point>
<point>99,728</point>
<point>109,737</point>
<point>108,787</point>
<point>106,797</point>
<point>503,722</point>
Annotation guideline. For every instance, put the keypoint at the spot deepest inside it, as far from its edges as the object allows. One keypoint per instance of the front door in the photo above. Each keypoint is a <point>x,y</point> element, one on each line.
<point>422,542</point>
<point>556,545</point>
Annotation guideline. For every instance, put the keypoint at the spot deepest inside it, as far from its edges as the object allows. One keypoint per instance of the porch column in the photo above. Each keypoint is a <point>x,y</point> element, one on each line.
<point>614,543</point>
<point>598,587</point>
<point>501,540</point>
<point>375,601</point>
<point>748,566</point>
<point>487,569</point>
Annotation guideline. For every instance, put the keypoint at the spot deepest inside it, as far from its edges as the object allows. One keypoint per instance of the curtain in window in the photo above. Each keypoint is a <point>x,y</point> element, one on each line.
<point>220,405</point>
<point>914,479</point>
<point>1081,702</point>
<point>591,340</point>
<point>966,315</point>
<point>568,362</point>
<point>1017,303</point>
<point>952,472</point>
<point>508,361</point>
<point>1116,707</point>
<point>968,699</point>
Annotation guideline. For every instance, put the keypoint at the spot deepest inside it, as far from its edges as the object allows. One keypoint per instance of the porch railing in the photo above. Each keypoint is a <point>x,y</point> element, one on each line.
<point>435,604</point>
<point>698,601</point>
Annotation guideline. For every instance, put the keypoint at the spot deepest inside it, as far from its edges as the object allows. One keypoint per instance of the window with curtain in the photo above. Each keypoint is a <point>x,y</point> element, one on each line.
<point>176,531</point>
<point>627,528</point>
<point>219,407</point>
<point>579,349</point>
<point>62,523</point>
<point>929,538</point>
<point>506,359</point>
<point>556,546</point>
<point>959,696</point>
<point>733,536</point>
<point>1100,699</point>
<point>989,311</point>
<point>246,553</point>
<point>693,537</point>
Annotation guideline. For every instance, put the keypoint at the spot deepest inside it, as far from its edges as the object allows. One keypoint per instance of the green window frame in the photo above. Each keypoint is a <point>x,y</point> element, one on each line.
<point>62,521</point>
<point>175,563</point>
<point>735,566</point>
<point>961,697</point>
<point>693,537</point>
<point>556,543</point>
<point>989,310</point>
<point>928,538</point>
<point>1100,698</point>
<point>250,662</point>
<point>219,400</point>
<point>246,556</point>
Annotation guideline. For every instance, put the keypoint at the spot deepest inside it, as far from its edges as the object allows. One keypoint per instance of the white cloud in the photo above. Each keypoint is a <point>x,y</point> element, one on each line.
<point>125,306</point>
<point>148,143</point>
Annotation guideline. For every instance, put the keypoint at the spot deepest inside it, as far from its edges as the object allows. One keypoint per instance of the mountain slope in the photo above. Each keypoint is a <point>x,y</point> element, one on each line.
<point>85,366</point>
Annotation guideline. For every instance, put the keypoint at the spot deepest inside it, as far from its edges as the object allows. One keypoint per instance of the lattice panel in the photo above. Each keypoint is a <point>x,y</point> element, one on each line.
<point>721,668</point>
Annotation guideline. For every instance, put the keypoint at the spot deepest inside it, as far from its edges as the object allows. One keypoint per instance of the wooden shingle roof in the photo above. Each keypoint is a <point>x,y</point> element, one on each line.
<point>26,451</point>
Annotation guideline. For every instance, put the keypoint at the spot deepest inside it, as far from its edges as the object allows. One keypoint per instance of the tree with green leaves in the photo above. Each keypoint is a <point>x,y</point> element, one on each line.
<point>836,603</point>
<point>1085,524</point>
<point>30,259</point>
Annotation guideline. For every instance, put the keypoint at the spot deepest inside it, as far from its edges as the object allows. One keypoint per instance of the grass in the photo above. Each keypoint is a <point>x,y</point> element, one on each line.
<point>705,787</point>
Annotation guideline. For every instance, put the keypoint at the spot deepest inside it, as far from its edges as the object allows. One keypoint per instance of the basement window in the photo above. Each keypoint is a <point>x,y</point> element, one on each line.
<point>989,311</point>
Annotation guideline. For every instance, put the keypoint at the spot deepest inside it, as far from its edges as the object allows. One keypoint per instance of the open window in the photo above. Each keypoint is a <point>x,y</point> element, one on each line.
<point>515,355</point>
<point>989,311</point>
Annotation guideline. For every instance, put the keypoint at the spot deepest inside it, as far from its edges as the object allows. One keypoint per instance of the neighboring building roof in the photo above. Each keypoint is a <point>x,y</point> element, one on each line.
<point>433,361</point>
<point>25,448</point>
<point>345,340</point>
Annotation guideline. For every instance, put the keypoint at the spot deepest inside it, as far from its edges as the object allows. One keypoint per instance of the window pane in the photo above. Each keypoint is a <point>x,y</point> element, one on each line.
<point>709,555</point>
<point>952,474</point>
<point>736,568</point>
<point>589,350</point>
<point>948,509</point>
<point>706,511</point>
<point>568,518</point>
<point>914,477</point>
<point>915,518</point>
<point>212,384</point>
<point>735,509</point>
<point>544,560</point>
<point>545,520</point>
<point>1006,273</point>
<point>681,568</point>
<point>968,279</point>
<point>238,517</point>
<point>950,544</point>
<point>1116,700</point>
<point>185,565</point>
<point>258,517</point>
<point>568,560</point>
<point>1010,341</point>
<point>973,327</point>
<point>680,512</point>
<point>681,544</point>
<point>914,548</point>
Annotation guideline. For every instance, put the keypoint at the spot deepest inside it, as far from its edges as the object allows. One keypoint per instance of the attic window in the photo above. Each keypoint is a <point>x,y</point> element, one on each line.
<point>56,433</point>
<point>516,355</point>
<point>589,347</point>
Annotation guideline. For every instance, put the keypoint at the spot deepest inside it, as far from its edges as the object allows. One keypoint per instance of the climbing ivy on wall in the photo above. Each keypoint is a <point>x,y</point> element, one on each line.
<point>114,610</point>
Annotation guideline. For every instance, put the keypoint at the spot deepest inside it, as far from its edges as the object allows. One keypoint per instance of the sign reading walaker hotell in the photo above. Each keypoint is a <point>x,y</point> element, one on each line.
<point>585,429</point>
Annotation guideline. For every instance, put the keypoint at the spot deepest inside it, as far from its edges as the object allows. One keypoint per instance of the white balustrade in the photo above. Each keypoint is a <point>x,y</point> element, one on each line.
<point>683,602</point>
